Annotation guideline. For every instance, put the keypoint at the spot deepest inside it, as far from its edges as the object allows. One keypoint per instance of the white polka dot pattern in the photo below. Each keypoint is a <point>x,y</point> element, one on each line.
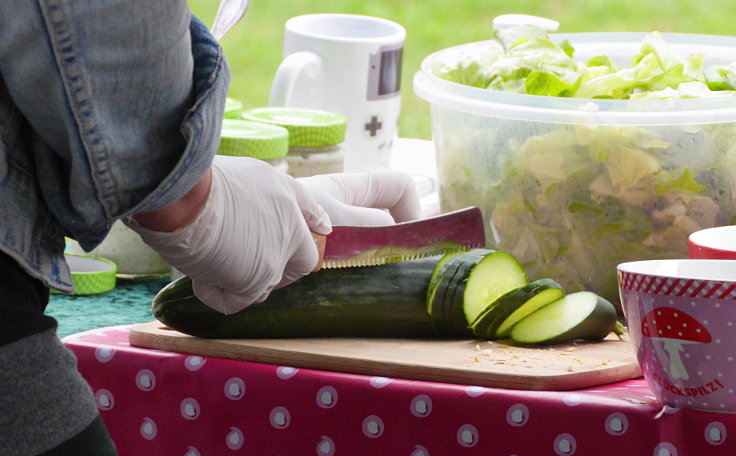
<point>467,436</point>
<point>565,445</point>
<point>162,402</point>
<point>148,429</point>
<point>325,447</point>
<point>234,438</point>
<point>235,389</point>
<point>327,397</point>
<point>373,426</point>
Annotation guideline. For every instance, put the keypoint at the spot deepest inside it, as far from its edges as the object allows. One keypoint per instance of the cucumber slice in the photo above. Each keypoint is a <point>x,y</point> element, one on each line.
<point>454,303</point>
<point>449,301</point>
<point>581,315</point>
<point>437,275</point>
<point>546,292</point>
<point>494,275</point>
<point>437,312</point>
<point>497,320</point>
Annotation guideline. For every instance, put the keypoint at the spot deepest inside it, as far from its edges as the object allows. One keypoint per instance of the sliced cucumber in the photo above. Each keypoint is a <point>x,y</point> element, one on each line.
<point>494,275</point>
<point>471,278</point>
<point>437,275</point>
<point>580,315</point>
<point>393,300</point>
<point>454,304</point>
<point>547,291</point>
<point>437,313</point>
<point>497,320</point>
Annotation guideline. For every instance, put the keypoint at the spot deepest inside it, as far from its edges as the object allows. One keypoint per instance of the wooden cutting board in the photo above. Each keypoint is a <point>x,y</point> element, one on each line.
<point>467,362</point>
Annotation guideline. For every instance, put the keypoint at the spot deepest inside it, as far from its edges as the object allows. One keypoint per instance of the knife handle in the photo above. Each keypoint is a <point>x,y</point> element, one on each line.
<point>320,241</point>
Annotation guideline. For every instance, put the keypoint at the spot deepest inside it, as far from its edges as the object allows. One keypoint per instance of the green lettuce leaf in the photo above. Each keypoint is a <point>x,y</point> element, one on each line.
<point>472,67</point>
<point>525,60</point>
<point>721,77</point>
<point>542,83</point>
<point>685,183</point>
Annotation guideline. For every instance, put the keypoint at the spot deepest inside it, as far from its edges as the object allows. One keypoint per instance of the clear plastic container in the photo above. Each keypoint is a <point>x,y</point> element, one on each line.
<point>315,138</point>
<point>572,187</point>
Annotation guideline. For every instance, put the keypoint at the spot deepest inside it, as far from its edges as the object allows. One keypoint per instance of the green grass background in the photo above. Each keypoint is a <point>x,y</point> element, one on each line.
<point>253,47</point>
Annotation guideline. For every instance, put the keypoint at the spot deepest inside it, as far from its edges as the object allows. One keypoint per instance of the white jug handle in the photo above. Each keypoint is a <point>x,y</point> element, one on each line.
<point>291,69</point>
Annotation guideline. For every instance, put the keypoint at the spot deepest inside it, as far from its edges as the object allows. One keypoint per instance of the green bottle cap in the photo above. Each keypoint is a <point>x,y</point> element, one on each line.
<point>242,138</point>
<point>233,108</point>
<point>307,127</point>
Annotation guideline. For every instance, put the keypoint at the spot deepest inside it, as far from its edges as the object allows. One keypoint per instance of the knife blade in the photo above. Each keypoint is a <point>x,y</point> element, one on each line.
<point>349,246</point>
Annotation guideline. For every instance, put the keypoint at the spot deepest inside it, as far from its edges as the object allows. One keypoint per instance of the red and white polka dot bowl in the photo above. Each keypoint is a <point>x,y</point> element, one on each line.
<point>681,316</point>
<point>717,243</point>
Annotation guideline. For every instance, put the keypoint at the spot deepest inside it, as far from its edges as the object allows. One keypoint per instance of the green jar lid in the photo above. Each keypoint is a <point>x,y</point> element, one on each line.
<point>307,127</point>
<point>242,138</point>
<point>233,108</point>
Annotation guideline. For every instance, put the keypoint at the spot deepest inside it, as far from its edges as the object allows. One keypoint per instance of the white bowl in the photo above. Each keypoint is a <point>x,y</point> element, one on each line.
<point>681,316</point>
<point>718,243</point>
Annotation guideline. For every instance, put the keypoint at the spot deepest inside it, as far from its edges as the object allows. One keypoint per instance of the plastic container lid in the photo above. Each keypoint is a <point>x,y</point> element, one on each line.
<point>307,127</point>
<point>243,138</point>
<point>233,108</point>
<point>90,274</point>
<point>621,47</point>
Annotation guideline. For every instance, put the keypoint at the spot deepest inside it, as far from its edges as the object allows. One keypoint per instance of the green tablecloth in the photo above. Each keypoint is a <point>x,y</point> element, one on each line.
<point>129,302</point>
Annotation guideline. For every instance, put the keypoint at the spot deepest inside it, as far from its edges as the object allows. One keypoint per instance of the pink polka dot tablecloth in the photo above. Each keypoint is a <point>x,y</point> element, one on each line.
<point>163,403</point>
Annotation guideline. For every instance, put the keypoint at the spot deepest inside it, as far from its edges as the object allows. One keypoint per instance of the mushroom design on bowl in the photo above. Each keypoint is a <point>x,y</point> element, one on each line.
<point>674,328</point>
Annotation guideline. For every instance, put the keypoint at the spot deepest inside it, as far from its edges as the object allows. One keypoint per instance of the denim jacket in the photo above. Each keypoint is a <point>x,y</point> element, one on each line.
<point>99,119</point>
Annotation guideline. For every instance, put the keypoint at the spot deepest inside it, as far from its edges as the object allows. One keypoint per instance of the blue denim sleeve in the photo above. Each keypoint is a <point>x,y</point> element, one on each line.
<point>120,104</point>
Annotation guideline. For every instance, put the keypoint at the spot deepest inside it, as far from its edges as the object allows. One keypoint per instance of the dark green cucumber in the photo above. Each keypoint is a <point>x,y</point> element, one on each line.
<point>580,315</point>
<point>496,321</point>
<point>491,276</point>
<point>444,288</point>
<point>376,301</point>
<point>437,275</point>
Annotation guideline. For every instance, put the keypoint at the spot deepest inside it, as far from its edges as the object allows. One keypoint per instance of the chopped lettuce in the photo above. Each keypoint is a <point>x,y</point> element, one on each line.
<point>721,77</point>
<point>526,60</point>
<point>685,183</point>
<point>573,201</point>
<point>472,66</point>
<point>684,90</point>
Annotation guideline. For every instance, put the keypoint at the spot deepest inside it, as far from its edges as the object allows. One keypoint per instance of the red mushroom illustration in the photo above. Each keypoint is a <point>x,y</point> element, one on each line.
<point>674,328</point>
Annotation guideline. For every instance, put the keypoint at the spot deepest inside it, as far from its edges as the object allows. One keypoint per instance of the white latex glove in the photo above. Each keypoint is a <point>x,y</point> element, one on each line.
<point>253,235</point>
<point>375,198</point>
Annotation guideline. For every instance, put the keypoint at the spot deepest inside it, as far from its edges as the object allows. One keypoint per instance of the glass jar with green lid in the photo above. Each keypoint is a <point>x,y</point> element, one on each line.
<point>233,108</point>
<point>315,138</point>
<point>243,138</point>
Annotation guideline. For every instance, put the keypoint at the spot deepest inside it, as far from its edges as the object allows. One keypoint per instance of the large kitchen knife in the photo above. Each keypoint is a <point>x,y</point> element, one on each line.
<point>350,246</point>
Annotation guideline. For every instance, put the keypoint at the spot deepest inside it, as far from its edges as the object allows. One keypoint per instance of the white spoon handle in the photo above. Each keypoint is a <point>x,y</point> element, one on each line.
<point>228,14</point>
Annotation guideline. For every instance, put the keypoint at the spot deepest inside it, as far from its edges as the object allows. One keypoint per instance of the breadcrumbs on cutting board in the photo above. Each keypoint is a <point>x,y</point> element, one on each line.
<point>491,353</point>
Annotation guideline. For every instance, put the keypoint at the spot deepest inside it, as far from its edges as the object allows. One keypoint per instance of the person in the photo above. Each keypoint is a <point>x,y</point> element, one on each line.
<point>111,110</point>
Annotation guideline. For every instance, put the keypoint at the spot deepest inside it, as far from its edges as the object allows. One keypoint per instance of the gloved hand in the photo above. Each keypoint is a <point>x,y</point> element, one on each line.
<point>253,235</point>
<point>366,199</point>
